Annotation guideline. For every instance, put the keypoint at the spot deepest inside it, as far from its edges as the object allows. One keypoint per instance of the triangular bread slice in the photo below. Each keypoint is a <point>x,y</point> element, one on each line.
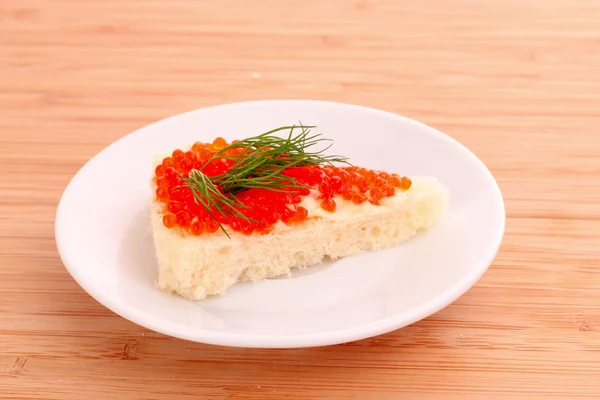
<point>199,266</point>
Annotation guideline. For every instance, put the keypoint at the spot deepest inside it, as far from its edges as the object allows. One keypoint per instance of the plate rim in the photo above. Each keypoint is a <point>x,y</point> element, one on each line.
<point>358,332</point>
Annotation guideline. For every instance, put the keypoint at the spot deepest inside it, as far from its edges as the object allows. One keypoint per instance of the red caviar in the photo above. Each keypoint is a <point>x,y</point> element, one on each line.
<point>196,228</point>
<point>219,143</point>
<point>169,220</point>
<point>328,205</point>
<point>262,208</point>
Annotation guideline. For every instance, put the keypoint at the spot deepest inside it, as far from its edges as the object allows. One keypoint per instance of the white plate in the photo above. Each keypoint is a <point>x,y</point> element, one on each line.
<point>104,238</point>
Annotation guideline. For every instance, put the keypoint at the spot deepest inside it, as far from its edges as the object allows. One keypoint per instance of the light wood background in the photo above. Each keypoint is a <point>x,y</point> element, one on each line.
<point>517,81</point>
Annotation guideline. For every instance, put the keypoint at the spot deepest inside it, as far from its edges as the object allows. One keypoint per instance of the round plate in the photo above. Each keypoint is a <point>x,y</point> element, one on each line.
<point>104,238</point>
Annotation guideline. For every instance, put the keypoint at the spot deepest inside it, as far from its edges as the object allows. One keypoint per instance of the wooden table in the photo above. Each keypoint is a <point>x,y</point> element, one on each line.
<point>517,81</point>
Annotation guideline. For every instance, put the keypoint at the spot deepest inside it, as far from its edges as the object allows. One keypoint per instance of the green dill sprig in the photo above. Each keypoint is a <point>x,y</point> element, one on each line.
<point>261,163</point>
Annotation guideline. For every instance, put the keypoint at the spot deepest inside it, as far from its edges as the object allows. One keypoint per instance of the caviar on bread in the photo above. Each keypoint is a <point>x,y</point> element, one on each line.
<point>259,209</point>
<point>266,190</point>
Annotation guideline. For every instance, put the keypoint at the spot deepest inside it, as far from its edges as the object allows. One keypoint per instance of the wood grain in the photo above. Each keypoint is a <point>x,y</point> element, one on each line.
<point>516,81</point>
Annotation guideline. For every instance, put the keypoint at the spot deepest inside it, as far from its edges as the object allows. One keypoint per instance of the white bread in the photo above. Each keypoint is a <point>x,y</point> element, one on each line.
<point>199,266</point>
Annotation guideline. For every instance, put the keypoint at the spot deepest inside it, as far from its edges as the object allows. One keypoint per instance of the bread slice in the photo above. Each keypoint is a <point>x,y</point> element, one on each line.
<point>199,266</point>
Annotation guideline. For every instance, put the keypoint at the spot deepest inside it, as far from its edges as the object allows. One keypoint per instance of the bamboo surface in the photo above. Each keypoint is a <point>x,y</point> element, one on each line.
<point>516,81</point>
